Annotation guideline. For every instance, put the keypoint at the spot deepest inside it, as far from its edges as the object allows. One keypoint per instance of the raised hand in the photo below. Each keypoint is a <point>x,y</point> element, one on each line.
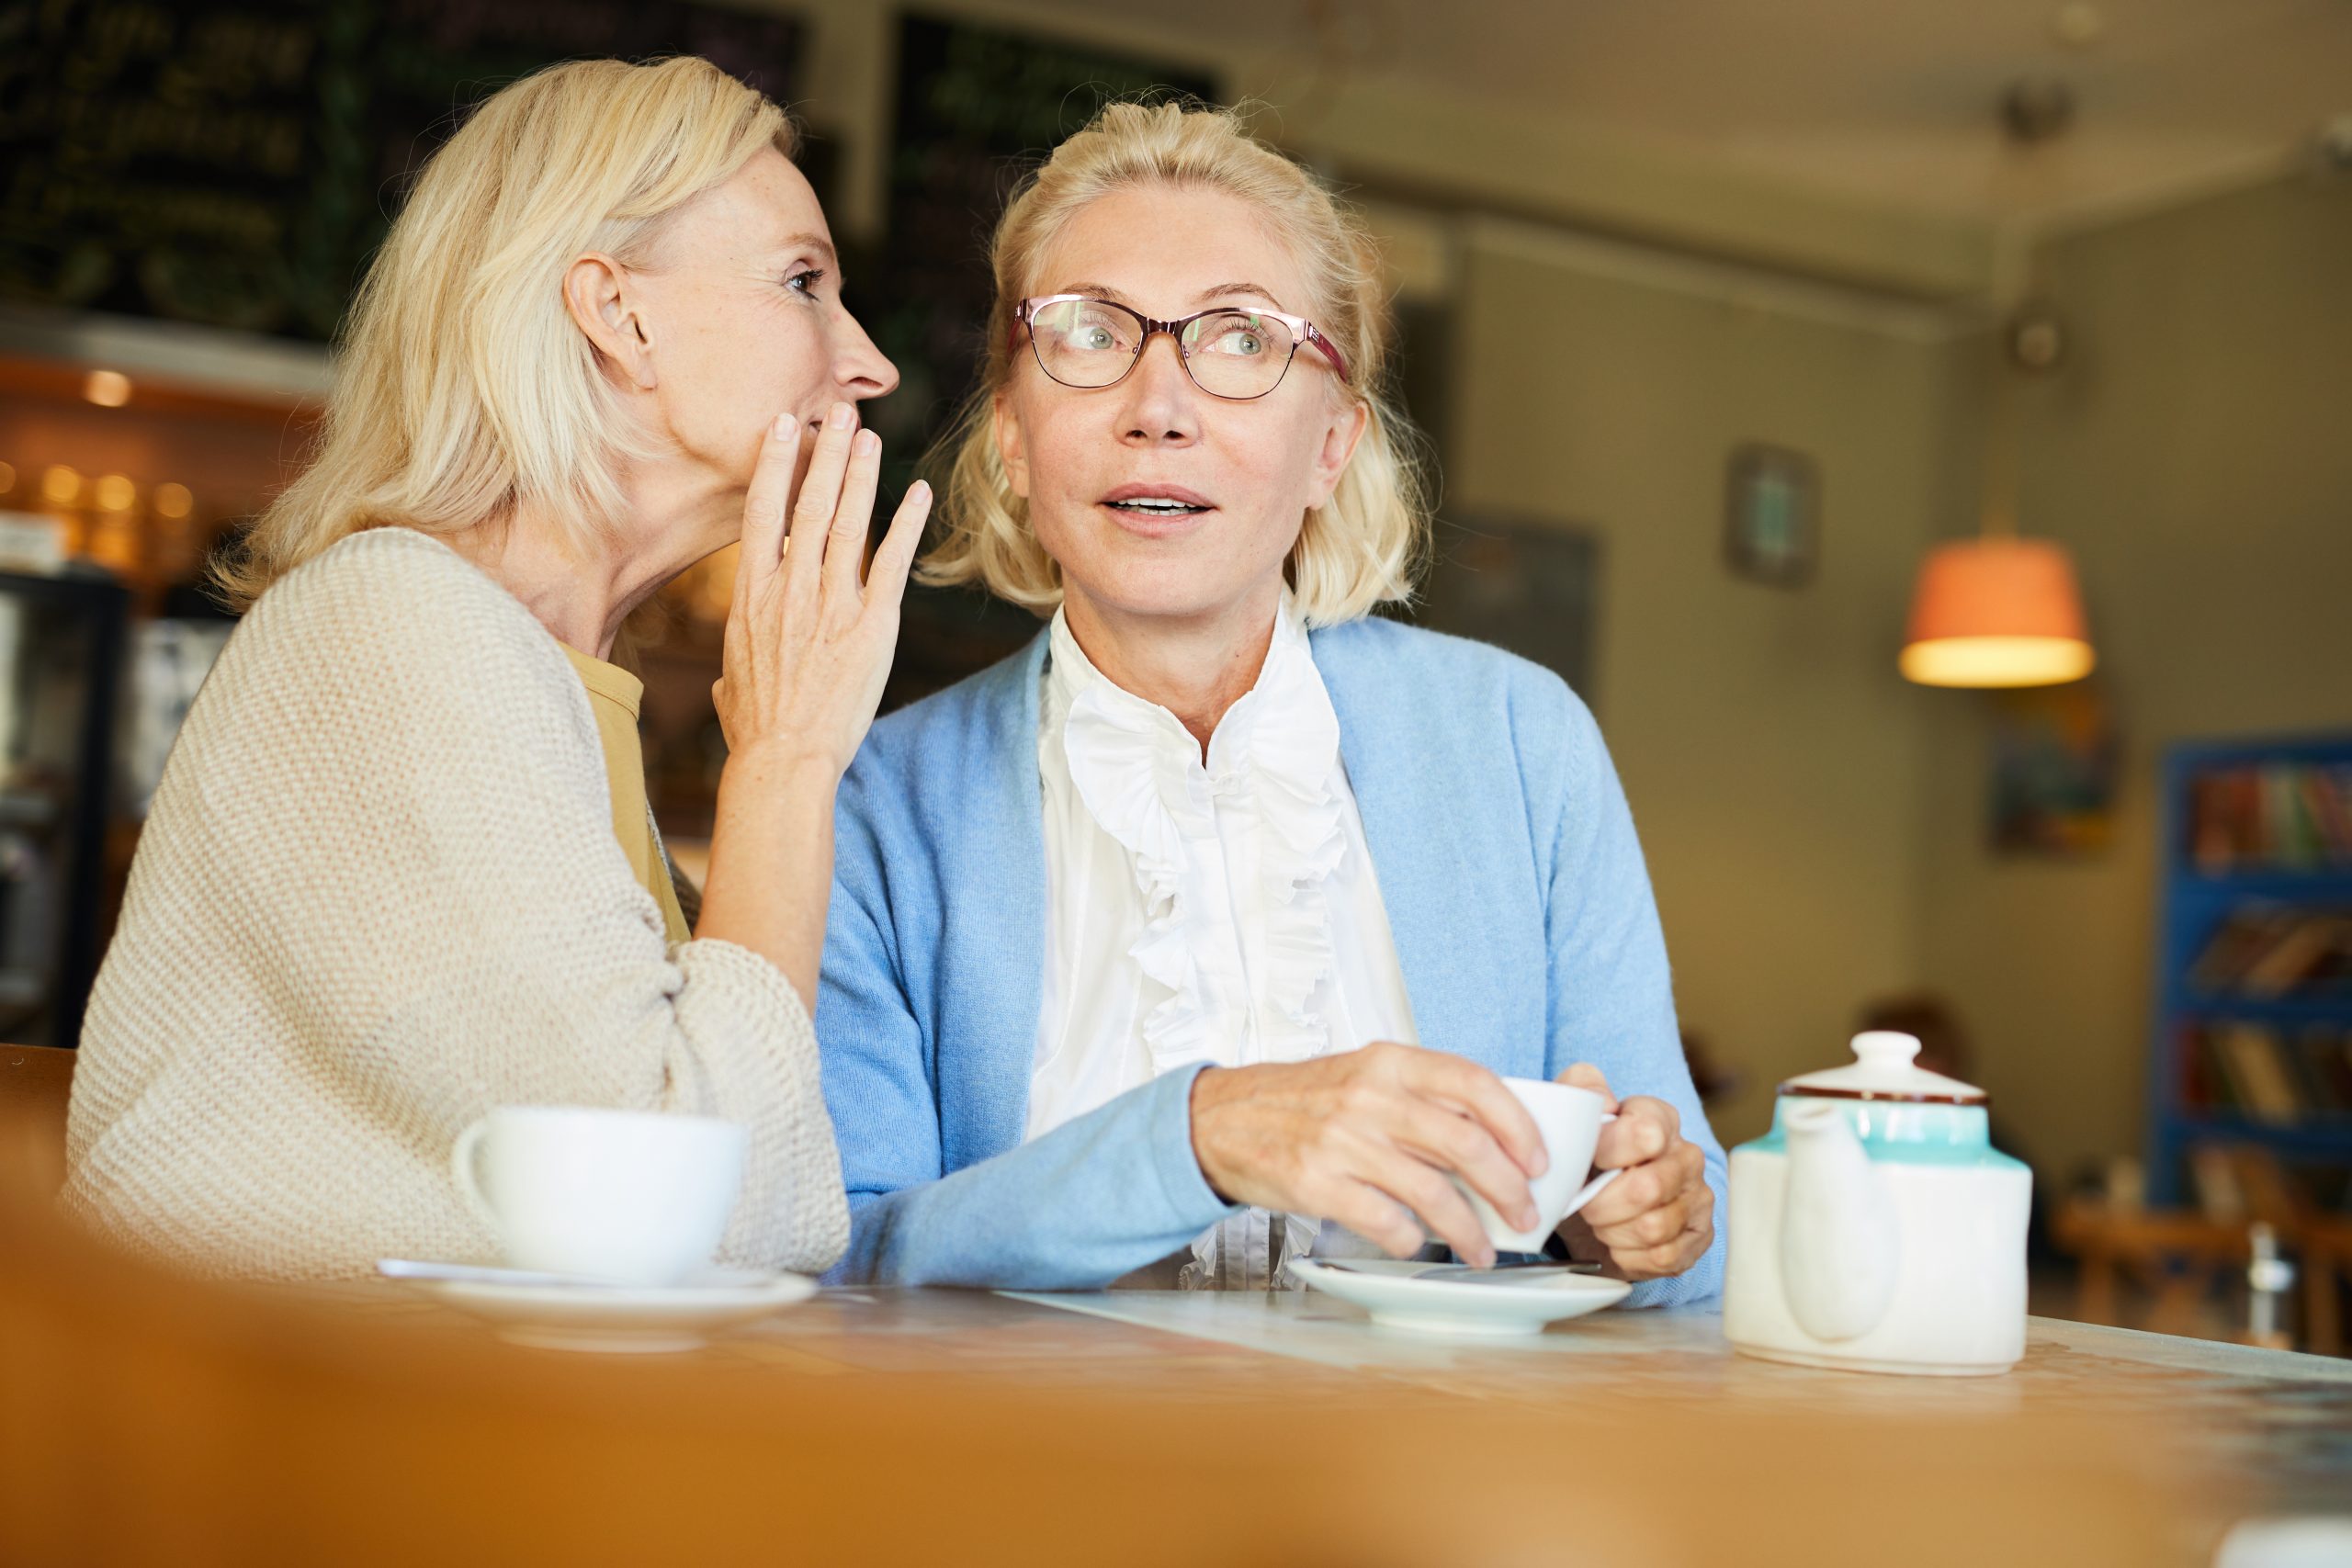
<point>807,644</point>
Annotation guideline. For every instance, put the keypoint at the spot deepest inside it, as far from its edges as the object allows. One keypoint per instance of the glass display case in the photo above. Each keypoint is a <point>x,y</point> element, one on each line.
<point>61,657</point>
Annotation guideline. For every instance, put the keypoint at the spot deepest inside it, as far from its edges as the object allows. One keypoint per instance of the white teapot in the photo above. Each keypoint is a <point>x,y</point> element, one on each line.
<point>1876,1228</point>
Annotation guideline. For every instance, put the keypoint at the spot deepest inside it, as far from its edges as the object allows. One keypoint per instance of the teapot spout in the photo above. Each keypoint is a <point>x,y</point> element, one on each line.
<point>1840,1247</point>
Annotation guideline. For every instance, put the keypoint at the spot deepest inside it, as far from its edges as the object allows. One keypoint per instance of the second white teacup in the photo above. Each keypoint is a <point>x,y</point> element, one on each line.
<point>1570,1120</point>
<point>628,1196</point>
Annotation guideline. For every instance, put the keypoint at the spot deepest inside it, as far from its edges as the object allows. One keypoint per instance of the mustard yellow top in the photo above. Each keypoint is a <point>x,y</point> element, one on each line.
<point>612,697</point>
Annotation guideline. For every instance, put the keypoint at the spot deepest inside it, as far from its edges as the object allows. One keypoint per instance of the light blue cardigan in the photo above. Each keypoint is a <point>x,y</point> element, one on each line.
<point>1513,883</point>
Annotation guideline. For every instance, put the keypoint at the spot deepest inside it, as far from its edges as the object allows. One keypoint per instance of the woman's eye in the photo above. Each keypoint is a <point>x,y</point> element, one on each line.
<point>1093,337</point>
<point>1241,343</point>
<point>803,283</point>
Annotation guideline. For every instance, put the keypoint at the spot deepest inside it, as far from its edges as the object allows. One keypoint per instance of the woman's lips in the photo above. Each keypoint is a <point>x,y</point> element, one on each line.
<point>1148,526</point>
<point>1157,492</point>
<point>1156,511</point>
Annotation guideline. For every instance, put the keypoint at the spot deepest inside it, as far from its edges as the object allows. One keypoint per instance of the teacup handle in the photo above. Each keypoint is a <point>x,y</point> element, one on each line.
<point>1591,1190</point>
<point>461,1167</point>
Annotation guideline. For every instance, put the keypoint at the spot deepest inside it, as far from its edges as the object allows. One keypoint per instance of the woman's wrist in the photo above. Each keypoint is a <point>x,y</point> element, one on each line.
<point>784,762</point>
<point>1209,1086</point>
<point>772,860</point>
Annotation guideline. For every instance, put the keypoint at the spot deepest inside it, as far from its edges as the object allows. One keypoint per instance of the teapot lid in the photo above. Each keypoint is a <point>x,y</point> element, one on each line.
<point>1882,1069</point>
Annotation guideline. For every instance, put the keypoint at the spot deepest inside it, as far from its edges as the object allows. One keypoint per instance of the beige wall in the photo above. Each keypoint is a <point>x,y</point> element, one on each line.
<point>2197,455</point>
<point>1772,754</point>
<point>1815,828</point>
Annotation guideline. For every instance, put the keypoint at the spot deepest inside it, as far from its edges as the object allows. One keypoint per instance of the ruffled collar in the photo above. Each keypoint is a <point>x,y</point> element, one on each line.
<point>1140,775</point>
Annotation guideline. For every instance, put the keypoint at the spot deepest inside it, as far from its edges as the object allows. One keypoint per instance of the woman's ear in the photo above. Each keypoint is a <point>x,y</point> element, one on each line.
<point>607,313</point>
<point>1340,435</point>
<point>1011,445</point>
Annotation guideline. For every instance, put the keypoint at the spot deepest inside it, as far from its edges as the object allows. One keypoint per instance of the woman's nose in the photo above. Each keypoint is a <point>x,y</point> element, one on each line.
<point>862,370</point>
<point>1159,397</point>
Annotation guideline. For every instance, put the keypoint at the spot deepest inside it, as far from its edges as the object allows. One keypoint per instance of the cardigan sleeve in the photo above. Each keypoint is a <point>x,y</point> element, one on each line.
<point>1612,997</point>
<point>395,809</point>
<point>1098,1197</point>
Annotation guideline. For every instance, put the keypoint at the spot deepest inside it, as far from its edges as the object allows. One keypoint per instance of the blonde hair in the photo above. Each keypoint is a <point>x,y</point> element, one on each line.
<point>1365,547</point>
<point>464,388</point>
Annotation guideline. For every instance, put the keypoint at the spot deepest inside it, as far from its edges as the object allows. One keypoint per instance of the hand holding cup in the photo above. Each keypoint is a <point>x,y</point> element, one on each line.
<point>1658,1220</point>
<point>1373,1139</point>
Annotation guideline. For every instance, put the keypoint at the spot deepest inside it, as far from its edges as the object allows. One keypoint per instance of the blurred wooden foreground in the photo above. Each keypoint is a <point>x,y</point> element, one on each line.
<point>146,1417</point>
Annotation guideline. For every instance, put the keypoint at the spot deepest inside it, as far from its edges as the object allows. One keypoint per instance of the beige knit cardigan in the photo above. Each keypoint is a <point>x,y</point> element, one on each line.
<point>378,895</point>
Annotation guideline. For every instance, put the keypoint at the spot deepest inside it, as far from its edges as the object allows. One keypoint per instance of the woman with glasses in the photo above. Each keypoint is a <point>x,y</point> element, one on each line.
<point>1196,937</point>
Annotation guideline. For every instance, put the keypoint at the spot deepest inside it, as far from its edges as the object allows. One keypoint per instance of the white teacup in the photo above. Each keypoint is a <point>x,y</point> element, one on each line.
<point>1570,1120</point>
<point>628,1196</point>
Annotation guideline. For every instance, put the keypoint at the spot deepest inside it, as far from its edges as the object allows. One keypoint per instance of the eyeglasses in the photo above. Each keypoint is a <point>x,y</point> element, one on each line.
<point>1091,344</point>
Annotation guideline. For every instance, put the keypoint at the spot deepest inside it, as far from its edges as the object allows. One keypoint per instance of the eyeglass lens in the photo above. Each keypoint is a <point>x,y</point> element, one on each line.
<point>1229,353</point>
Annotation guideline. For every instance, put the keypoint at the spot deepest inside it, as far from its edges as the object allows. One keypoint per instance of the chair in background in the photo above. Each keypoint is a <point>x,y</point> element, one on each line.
<point>2178,1257</point>
<point>2327,1268</point>
<point>2172,1256</point>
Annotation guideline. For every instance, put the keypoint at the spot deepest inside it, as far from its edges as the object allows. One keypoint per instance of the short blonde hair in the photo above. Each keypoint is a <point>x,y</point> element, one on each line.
<point>1364,548</point>
<point>464,389</point>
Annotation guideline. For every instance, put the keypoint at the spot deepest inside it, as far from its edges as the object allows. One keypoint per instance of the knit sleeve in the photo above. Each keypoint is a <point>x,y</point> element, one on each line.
<point>1612,995</point>
<point>407,826</point>
<point>1100,1195</point>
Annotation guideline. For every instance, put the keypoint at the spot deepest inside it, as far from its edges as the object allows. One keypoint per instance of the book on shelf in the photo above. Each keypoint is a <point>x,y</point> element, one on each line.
<point>2269,1076</point>
<point>2326,1057</point>
<point>2267,1089</point>
<point>2329,801</point>
<point>2274,815</point>
<point>2253,1038</point>
<point>2269,951</point>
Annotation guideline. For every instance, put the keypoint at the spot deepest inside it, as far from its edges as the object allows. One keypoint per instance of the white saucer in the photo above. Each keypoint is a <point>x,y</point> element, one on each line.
<point>1389,1290</point>
<point>623,1317</point>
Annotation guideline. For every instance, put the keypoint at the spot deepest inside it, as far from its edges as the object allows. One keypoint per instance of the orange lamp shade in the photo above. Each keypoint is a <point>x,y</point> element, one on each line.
<point>1997,612</point>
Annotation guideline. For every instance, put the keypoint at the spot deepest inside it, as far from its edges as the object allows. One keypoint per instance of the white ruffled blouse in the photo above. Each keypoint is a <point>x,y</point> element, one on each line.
<point>1225,912</point>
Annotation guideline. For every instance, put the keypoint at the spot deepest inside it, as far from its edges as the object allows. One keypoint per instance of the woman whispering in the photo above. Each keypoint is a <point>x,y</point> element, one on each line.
<point>401,869</point>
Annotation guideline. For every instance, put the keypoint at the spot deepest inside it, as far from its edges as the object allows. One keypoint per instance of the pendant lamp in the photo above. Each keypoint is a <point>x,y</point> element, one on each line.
<point>1998,610</point>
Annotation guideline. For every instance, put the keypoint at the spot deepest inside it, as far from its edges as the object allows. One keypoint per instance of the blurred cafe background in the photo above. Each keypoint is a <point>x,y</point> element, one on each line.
<point>1922,432</point>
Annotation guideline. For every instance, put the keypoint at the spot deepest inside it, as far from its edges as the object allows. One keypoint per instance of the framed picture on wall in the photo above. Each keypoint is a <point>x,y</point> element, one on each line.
<point>2054,760</point>
<point>1771,515</point>
<point>1524,584</point>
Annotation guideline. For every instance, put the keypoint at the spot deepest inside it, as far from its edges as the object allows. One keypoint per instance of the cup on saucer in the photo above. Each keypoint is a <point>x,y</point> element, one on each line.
<point>1570,1120</point>
<point>627,1197</point>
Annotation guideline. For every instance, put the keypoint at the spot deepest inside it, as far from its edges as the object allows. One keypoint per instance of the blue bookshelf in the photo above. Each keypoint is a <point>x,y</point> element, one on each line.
<point>2199,898</point>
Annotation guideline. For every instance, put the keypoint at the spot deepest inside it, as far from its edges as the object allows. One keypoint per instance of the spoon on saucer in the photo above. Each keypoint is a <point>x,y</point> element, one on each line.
<point>1508,1268</point>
